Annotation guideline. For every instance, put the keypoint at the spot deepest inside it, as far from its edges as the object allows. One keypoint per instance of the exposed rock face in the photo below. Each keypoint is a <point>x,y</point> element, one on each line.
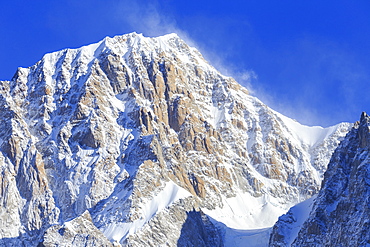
<point>78,232</point>
<point>143,133</point>
<point>340,214</point>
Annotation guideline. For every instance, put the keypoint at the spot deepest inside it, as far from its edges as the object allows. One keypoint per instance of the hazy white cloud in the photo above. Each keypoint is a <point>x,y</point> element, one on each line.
<point>145,17</point>
<point>317,82</point>
<point>151,20</point>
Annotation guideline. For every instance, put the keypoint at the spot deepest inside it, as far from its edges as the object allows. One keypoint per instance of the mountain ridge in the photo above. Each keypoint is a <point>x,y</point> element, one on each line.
<point>339,215</point>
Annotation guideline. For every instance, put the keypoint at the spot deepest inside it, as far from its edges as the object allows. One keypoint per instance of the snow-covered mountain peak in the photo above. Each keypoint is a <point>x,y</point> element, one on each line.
<point>131,132</point>
<point>129,47</point>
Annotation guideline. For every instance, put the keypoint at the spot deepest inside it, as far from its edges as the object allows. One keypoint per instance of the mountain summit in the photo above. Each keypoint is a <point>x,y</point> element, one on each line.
<point>139,141</point>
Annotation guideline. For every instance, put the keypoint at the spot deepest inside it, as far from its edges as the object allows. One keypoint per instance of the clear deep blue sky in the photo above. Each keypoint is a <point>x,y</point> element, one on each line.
<point>309,60</point>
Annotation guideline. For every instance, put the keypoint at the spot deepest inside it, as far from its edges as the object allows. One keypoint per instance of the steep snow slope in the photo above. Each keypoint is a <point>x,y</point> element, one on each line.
<point>140,138</point>
<point>339,216</point>
<point>286,229</point>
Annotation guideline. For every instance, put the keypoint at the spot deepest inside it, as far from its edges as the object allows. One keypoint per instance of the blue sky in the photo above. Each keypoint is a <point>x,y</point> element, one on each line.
<point>309,60</point>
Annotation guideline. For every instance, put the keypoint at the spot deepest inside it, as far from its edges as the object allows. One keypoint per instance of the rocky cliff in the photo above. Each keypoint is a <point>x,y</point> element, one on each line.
<point>340,214</point>
<point>134,140</point>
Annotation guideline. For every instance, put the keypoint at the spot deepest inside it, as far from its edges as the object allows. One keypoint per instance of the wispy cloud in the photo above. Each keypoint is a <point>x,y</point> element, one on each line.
<point>318,82</point>
<point>152,20</point>
<point>145,17</point>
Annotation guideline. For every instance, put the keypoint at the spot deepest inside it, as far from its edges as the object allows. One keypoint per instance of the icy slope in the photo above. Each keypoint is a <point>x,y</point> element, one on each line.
<point>286,229</point>
<point>340,215</point>
<point>147,137</point>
